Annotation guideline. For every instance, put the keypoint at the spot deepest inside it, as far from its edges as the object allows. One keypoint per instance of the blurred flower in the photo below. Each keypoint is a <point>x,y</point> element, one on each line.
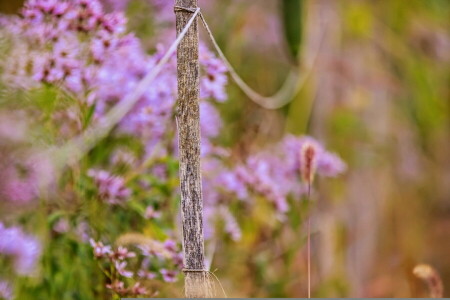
<point>77,46</point>
<point>13,127</point>
<point>231,225</point>
<point>122,253</point>
<point>6,292</point>
<point>110,188</point>
<point>168,275</point>
<point>25,249</point>
<point>23,175</point>
<point>210,121</point>
<point>146,250</point>
<point>146,274</point>
<point>330,165</point>
<point>120,267</point>
<point>274,172</point>
<point>82,231</point>
<point>170,245</point>
<point>230,182</point>
<point>151,213</point>
<point>100,250</point>
<point>61,226</point>
<point>117,287</point>
<point>123,157</point>
<point>213,84</point>
<point>178,260</point>
<point>139,290</point>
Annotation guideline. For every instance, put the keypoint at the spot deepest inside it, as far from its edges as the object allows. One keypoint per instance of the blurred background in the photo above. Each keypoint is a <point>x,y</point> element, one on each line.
<point>378,95</point>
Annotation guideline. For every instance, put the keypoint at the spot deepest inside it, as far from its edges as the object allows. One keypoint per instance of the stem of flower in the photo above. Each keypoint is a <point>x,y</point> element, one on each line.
<point>309,243</point>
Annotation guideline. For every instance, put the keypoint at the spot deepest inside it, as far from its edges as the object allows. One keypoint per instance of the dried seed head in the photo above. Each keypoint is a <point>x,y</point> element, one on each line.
<point>432,278</point>
<point>308,161</point>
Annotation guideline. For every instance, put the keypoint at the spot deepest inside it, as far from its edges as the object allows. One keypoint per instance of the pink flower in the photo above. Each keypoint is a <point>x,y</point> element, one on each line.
<point>146,274</point>
<point>122,253</point>
<point>151,213</point>
<point>170,245</point>
<point>111,188</point>
<point>169,275</point>
<point>120,267</point>
<point>6,291</point>
<point>118,287</point>
<point>138,290</point>
<point>100,250</point>
<point>25,249</point>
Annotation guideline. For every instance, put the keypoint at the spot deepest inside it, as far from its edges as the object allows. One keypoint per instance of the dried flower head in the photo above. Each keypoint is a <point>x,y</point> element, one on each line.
<point>428,274</point>
<point>308,161</point>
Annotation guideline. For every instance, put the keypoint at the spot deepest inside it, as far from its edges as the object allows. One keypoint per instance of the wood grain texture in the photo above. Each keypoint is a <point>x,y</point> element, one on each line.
<point>188,122</point>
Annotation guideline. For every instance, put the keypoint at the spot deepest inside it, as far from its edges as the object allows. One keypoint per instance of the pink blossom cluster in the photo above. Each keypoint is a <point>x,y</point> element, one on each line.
<point>76,46</point>
<point>111,189</point>
<point>158,261</point>
<point>274,173</point>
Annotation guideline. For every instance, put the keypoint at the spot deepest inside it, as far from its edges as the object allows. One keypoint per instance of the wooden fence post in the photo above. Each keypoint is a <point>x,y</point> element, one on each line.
<point>197,284</point>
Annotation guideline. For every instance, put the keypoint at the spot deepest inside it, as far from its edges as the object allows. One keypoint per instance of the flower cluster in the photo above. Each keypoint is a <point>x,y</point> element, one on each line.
<point>111,188</point>
<point>279,176</point>
<point>274,173</point>
<point>23,175</point>
<point>78,47</point>
<point>213,84</point>
<point>24,249</point>
<point>85,52</point>
<point>155,261</point>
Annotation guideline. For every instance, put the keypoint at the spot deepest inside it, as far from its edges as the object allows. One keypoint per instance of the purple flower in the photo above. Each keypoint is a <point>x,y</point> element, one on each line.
<point>231,225</point>
<point>138,290</point>
<point>275,172</point>
<point>61,226</point>
<point>122,253</point>
<point>210,121</point>
<point>231,182</point>
<point>146,250</point>
<point>170,245</point>
<point>79,47</point>
<point>120,267</point>
<point>82,231</point>
<point>169,275</point>
<point>111,188</point>
<point>212,85</point>
<point>178,260</point>
<point>100,250</point>
<point>123,157</point>
<point>117,287</point>
<point>13,127</point>
<point>151,213</point>
<point>6,290</point>
<point>330,165</point>
<point>24,249</point>
<point>156,249</point>
<point>146,274</point>
<point>22,177</point>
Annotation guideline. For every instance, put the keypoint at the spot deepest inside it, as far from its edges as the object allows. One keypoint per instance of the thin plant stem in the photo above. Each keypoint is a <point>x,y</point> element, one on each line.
<point>309,242</point>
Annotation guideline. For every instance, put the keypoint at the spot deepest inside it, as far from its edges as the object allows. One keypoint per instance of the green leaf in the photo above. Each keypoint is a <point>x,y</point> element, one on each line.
<point>88,116</point>
<point>292,13</point>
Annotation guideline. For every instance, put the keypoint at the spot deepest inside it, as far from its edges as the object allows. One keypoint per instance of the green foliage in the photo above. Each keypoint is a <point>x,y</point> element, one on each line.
<point>292,16</point>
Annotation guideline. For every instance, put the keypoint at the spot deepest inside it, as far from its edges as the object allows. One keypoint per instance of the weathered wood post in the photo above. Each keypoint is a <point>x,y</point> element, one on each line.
<point>197,284</point>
